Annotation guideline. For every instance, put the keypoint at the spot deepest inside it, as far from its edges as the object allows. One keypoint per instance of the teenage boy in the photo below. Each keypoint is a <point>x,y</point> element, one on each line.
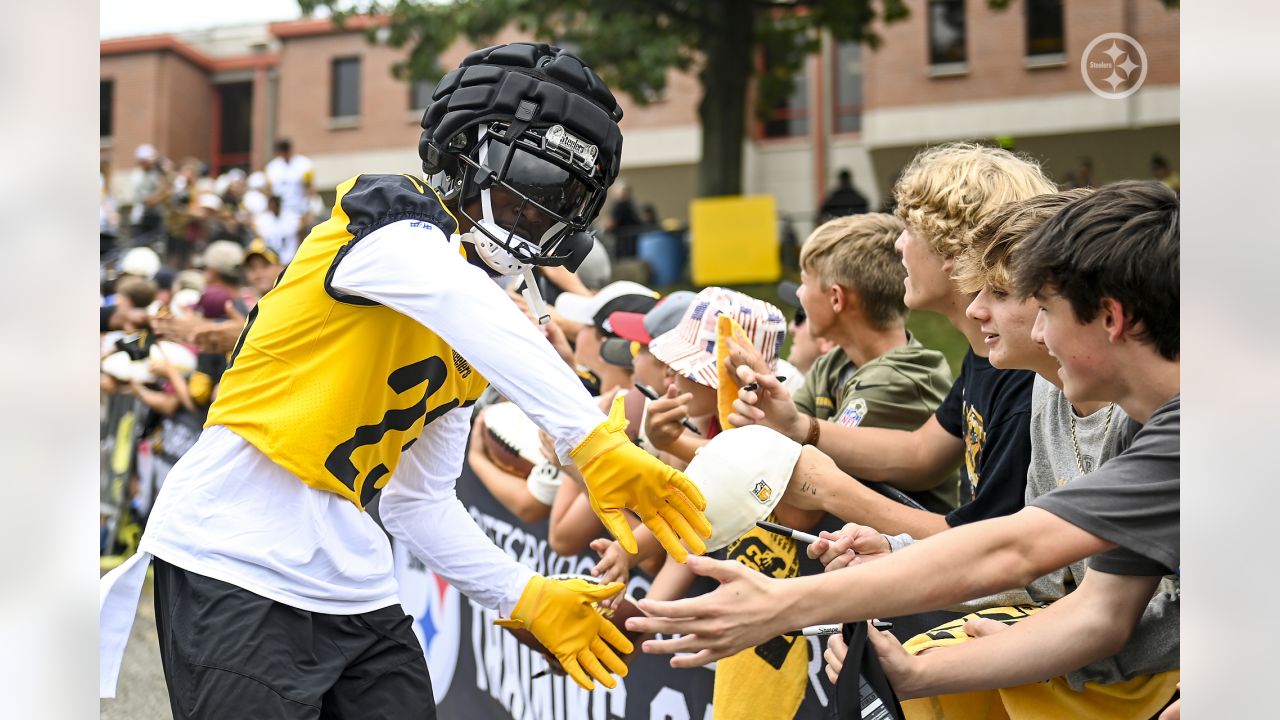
<point>878,375</point>
<point>1105,273</point>
<point>983,422</point>
<point>1068,440</point>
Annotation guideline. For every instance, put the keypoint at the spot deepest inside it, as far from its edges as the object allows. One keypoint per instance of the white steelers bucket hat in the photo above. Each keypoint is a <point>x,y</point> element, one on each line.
<point>743,473</point>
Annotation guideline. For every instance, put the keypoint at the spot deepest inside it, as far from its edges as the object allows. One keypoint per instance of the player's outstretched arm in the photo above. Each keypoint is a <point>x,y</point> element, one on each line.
<point>414,270</point>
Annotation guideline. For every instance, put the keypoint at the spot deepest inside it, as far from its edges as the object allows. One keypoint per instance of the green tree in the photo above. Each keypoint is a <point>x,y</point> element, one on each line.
<point>632,44</point>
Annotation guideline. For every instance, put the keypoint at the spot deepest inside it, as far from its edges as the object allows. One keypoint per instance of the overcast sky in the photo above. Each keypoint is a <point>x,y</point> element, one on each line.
<point>123,18</point>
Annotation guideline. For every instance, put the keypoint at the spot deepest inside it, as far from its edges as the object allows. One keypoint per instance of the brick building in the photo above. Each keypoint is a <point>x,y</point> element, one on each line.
<point>955,69</point>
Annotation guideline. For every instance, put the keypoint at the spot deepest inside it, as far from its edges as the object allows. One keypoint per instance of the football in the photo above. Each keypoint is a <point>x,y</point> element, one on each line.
<point>511,439</point>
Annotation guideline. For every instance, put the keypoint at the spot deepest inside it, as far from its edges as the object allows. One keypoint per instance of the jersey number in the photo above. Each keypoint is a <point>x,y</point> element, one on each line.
<point>431,371</point>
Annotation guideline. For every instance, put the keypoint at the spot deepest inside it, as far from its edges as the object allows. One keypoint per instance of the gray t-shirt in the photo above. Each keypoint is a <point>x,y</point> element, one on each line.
<point>1154,646</point>
<point>1099,437</point>
<point>1131,501</point>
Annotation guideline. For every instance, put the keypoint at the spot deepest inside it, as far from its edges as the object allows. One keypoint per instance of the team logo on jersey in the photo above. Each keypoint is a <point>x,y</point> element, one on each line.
<point>436,608</point>
<point>854,414</point>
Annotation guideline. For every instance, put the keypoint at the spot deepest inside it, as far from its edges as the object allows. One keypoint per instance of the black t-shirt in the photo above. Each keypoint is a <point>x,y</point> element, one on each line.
<point>990,410</point>
<point>1132,500</point>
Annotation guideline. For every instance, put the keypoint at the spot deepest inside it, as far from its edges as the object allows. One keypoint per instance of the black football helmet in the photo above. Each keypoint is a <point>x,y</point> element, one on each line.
<point>532,133</point>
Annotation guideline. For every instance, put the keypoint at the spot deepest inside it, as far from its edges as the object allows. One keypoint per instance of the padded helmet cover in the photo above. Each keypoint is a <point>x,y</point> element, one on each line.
<point>491,83</point>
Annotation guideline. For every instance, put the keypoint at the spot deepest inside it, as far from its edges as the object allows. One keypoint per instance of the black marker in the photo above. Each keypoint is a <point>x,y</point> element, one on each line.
<point>821,630</point>
<point>785,531</point>
<point>752,387</point>
<point>649,392</point>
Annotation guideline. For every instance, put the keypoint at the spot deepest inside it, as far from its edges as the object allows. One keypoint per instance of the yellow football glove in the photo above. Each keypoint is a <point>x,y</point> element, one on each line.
<point>560,615</point>
<point>618,475</point>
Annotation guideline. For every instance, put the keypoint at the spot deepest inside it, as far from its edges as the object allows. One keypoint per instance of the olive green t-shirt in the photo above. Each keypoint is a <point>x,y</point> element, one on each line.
<point>899,390</point>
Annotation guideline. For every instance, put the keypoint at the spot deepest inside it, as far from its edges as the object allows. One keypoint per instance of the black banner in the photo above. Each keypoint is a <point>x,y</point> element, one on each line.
<point>480,671</point>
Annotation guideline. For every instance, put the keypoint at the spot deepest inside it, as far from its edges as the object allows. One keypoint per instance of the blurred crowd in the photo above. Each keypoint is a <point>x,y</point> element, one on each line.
<point>184,257</point>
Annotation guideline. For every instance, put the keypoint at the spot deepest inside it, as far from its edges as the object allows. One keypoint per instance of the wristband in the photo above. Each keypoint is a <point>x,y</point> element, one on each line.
<point>814,430</point>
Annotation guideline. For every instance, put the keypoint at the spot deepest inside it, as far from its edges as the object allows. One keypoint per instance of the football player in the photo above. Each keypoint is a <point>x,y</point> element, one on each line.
<point>352,383</point>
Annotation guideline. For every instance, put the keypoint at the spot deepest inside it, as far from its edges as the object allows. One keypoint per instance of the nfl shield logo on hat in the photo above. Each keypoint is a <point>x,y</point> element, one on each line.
<point>762,491</point>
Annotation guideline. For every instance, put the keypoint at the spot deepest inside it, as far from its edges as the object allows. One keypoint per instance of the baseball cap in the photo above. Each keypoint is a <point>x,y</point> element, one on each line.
<point>145,151</point>
<point>140,261</point>
<point>583,308</point>
<point>690,347</point>
<point>209,201</point>
<point>635,330</point>
<point>596,269</point>
<point>223,256</point>
<point>644,327</point>
<point>743,474</point>
<point>629,303</point>
<point>787,293</point>
<point>259,247</point>
<point>620,352</point>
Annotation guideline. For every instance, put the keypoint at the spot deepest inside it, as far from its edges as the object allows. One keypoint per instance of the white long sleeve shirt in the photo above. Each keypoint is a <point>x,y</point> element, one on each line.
<point>228,512</point>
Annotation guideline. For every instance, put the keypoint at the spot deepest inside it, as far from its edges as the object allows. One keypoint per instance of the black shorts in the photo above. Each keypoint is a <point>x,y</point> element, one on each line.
<point>228,653</point>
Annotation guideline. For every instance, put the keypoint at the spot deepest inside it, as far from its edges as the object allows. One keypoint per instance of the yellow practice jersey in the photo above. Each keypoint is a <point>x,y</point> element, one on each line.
<point>335,387</point>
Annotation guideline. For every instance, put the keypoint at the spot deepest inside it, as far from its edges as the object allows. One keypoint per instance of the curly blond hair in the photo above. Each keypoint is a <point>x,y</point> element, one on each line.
<point>946,191</point>
<point>857,252</point>
<point>992,245</point>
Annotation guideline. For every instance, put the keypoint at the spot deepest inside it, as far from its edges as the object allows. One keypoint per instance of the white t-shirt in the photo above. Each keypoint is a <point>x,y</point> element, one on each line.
<point>279,232</point>
<point>228,512</point>
<point>287,181</point>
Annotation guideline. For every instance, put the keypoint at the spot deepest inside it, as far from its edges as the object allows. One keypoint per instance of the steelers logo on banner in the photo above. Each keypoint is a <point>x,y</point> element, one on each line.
<point>436,608</point>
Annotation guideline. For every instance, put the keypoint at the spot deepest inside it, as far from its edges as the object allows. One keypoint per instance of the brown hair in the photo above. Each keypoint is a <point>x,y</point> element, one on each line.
<point>139,292</point>
<point>1120,242</point>
<point>985,262</point>
<point>857,252</point>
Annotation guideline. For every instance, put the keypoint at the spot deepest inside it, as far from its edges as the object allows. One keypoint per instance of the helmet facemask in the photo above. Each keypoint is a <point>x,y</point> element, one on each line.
<point>537,192</point>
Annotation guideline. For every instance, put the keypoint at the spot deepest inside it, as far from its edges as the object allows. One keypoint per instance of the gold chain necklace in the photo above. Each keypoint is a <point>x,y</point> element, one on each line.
<point>1075,444</point>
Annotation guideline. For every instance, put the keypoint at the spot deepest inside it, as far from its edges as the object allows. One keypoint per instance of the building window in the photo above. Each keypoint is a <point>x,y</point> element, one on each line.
<point>420,92</point>
<point>789,116</point>
<point>344,89</point>
<point>848,77</point>
<point>106,101</point>
<point>946,32</point>
<point>1044,28</point>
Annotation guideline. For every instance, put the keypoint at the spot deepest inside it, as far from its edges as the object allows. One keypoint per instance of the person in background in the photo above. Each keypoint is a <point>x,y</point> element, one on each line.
<point>1082,175</point>
<point>624,221</point>
<point>1161,171</point>
<point>843,200</point>
<point>255,200</point>
<point>150,188</point>
<point>289,176</point>
<point>262,267</point>
<point>278,228</point>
